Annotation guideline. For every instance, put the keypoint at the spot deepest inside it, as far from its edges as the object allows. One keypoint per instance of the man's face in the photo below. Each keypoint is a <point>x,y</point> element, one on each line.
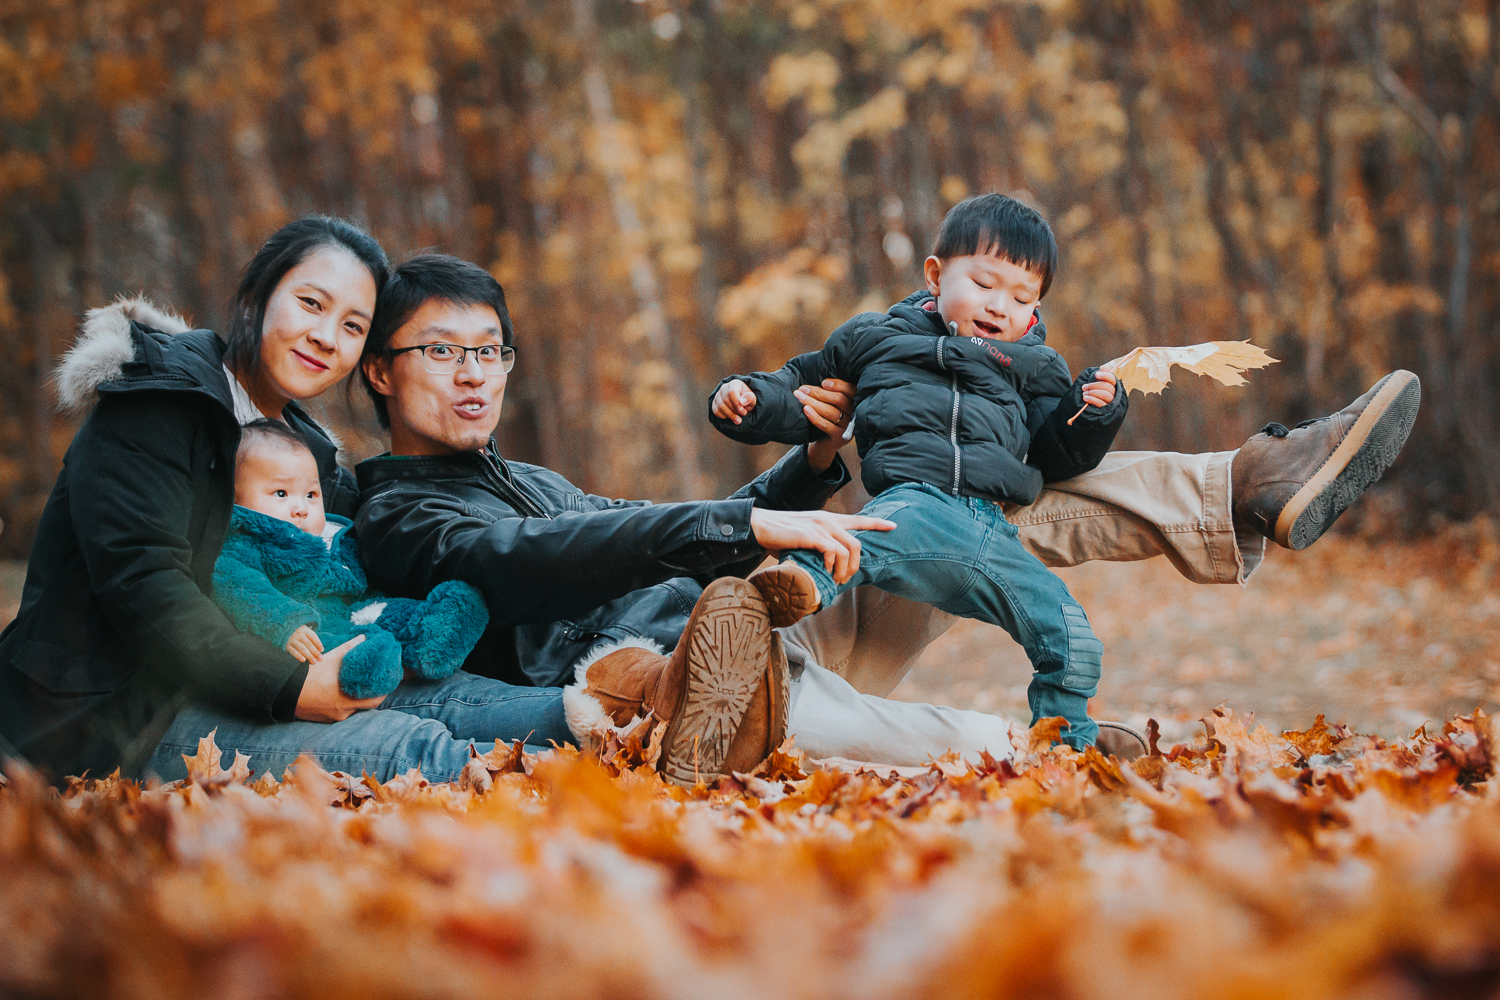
<point>986,295</point>
<point>433,414</point>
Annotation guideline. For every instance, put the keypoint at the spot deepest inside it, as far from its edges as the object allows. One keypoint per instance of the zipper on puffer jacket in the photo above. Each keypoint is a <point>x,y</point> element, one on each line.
<point>509,491</point>
<point>958,458</point>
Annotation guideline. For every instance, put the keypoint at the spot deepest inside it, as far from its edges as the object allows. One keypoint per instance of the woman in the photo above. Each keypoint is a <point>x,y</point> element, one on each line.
<point>118,657</point>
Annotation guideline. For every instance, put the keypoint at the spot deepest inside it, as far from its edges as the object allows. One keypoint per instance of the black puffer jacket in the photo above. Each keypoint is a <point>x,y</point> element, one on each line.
<point>116,629</point>
<point>977,417</point>
<point>561,570</point>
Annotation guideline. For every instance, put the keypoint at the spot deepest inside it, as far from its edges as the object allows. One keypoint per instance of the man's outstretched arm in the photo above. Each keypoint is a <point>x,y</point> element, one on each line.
<point>534,569</point>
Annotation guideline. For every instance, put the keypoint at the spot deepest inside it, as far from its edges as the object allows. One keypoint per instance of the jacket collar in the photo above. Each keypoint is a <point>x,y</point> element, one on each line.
<point>282,546</point>
<point>913,310</point>
<point>386,468</point>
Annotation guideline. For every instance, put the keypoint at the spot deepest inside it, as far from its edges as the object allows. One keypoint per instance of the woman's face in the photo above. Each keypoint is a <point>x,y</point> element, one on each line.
<point>315,324</point>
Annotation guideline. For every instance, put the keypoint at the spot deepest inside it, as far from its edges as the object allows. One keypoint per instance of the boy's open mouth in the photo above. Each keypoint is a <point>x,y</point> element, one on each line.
<point>986,329</point>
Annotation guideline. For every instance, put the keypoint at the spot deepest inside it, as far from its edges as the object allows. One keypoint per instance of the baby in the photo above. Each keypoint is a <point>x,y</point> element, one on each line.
<point>291,574</point>
<point>959,407</point>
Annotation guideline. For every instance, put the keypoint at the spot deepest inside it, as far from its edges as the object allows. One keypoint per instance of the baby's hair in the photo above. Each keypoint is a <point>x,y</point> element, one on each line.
<point>996,224</point>
<point>267,431</point>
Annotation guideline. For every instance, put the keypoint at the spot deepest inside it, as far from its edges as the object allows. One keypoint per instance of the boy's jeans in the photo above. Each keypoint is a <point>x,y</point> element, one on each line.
<point>962,556</point>
<point>849,656</point>
<point>424,724</point>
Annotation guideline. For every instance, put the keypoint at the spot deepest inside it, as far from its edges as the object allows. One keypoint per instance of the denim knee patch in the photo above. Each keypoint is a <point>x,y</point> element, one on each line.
<point>1085,651</point>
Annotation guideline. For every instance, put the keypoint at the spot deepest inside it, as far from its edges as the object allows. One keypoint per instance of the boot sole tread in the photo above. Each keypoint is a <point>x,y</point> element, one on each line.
<point>789,595</point>
<point>729,647</point>
<point>1360,459</point>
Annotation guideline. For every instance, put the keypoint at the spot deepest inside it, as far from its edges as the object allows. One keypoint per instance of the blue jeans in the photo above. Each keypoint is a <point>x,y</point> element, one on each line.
<point>961,555</point>
<point>423,724</point>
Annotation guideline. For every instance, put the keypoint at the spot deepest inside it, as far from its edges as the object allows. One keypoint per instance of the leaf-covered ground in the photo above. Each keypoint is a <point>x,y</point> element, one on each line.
<point>1315,864</point>
<point>1381,636</point>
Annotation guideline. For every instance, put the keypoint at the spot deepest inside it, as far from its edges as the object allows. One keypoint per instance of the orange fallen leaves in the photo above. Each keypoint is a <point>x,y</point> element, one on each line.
<point>1315,863</point>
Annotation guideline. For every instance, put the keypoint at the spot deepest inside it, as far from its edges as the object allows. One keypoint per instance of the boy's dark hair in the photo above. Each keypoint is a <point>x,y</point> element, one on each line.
<point>266,429</point>
<point>426,277</point>
<point>289,246</point>
<point>994,223</point>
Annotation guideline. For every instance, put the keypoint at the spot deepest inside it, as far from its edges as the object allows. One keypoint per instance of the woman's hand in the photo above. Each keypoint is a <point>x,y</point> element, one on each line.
<point>828,407</point>
<point>782,530</point>
<point>1101,391</point>
<point>305,645</point>
<point>321,699</point>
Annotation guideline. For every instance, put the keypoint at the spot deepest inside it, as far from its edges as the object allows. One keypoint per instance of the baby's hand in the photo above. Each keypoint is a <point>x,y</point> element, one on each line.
<point>733,400</point>
<point>1101,391</point>
<point>305,645</point>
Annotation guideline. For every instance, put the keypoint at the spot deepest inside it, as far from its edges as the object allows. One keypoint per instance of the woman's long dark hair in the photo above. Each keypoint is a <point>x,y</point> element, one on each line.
<point>289,246</point>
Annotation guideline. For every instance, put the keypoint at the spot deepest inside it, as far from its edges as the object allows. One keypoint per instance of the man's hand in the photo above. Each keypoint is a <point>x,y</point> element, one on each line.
<point>829,408</point>
<point>782,530</point>
<point>733,401</point>
<point>321,699</point>
<point>1101,391</point>
<point>305,645</point>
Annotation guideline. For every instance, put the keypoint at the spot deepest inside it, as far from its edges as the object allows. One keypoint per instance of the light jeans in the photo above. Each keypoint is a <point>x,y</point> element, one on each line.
<point>429,725</point>
<point>846,658</point>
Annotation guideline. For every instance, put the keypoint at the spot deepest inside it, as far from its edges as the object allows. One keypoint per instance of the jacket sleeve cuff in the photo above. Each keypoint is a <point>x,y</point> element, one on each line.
<point>726,521</point>
<point>284,708</point>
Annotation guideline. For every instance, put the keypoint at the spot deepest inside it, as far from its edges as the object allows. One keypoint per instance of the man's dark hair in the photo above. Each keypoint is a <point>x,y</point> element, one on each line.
<point>996,224</point>
<point>426,277</point>
<point>266,429</point>
<point>289,246</point>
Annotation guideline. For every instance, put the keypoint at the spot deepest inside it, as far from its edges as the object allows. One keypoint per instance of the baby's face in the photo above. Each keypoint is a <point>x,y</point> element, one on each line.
<point>986,295</point>
<point>281,481</point>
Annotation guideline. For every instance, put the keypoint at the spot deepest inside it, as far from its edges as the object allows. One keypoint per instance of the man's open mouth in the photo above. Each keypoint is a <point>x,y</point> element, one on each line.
<point>471,407</point>
<point>986,329</point>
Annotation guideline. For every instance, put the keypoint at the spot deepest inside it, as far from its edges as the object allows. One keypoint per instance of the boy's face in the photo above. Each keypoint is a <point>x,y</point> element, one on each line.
<point>985,294</point>
<point>281,481</point>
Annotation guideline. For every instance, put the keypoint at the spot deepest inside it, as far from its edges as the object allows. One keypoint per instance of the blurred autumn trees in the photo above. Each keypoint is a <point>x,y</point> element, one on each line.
<point>670,191</point>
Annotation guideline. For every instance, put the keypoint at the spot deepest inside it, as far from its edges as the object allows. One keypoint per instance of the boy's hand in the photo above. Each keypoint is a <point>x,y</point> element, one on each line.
<point>1101,391</point>
<point>820,530</point>
<point>829,408</point>
<point>733,401</point>
<point>305,645</point>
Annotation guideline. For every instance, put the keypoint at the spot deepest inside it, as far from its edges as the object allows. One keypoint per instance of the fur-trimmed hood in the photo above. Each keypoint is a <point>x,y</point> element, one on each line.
<point>105,345</point>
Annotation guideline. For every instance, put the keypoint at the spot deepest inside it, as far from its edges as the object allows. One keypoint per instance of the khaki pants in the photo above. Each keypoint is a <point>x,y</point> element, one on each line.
<point>849,656</point>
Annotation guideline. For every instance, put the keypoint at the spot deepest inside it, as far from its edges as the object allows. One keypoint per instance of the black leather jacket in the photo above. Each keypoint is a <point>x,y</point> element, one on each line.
<point>561,570</point>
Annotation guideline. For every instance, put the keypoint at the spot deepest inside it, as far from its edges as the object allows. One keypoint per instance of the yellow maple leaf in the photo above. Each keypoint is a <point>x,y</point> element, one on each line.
<point>1149,369</point>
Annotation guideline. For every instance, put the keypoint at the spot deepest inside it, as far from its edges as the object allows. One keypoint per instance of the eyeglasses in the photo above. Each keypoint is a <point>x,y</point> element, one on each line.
<point>446,359</point>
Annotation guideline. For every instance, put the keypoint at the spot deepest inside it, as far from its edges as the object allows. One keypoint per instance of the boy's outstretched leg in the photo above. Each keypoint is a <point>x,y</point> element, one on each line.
<point>961,555</point>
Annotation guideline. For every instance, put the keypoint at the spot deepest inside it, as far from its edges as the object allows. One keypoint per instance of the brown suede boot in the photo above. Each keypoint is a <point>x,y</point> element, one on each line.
<point>1116,740</point>
<point>701,691</point>
<point>764,725</point>
<point>789,591</point>
<point>1291,485</point>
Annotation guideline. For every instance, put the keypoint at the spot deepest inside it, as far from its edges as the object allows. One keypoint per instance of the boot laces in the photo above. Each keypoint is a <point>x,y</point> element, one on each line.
<point>1280,430</point>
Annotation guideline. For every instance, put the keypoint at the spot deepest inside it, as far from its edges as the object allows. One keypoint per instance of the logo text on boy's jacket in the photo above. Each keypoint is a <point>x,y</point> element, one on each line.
<point>994,351</point>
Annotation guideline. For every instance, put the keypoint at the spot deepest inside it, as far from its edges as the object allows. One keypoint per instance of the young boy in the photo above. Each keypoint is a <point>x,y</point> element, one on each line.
<point>291,575</point>
<point>959,406</point>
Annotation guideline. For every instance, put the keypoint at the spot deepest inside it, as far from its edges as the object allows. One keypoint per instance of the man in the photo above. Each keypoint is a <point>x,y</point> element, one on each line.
<point>591,590</point>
